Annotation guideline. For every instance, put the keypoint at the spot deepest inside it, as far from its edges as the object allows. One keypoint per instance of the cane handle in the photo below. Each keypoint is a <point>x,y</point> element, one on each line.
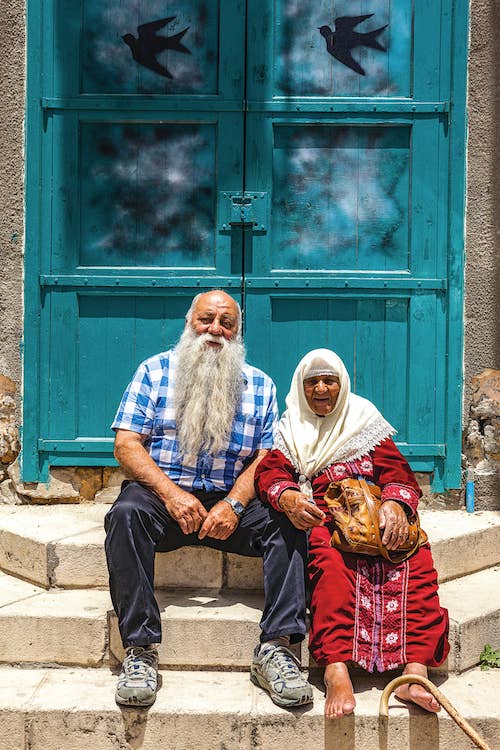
<point>441,699</point>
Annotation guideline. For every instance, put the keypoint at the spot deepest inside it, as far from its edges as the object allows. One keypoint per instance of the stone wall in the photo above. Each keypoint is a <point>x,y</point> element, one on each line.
<point>482,437</point>
<point>482,289</point>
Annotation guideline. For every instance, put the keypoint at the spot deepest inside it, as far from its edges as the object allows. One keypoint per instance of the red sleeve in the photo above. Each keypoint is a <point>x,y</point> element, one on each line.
<point>392,473</point>
<point>274,475</point>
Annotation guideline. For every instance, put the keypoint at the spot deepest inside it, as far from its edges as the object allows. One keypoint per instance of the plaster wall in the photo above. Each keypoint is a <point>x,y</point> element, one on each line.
<point>482,290</point>
<point>482,271</point>
<point>482,268</point>
<point>12,55</point>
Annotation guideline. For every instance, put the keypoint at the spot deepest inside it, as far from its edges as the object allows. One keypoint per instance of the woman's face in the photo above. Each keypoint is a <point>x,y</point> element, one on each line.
<point>321,393</point>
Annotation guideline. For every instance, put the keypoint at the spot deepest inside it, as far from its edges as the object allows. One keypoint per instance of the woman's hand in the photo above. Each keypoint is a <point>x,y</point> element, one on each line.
<point>300,511</point>
<point>392,519</point>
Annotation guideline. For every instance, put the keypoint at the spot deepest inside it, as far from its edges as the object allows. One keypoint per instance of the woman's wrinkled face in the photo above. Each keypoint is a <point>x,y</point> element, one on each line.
<point>322,392</point>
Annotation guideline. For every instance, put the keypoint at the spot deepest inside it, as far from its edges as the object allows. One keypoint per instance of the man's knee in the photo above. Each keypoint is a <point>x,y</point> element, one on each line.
<point>134,503</point>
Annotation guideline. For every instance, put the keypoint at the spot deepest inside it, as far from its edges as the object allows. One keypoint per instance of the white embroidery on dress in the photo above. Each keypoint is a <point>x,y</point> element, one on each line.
<point>392,605</point>
<point>391,638</point>
<point>365,601</point>
<point>393,575</point>
<point>365,634</point>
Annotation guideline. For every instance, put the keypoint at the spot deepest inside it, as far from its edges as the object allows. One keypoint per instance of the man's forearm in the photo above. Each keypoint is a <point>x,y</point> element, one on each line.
<point>243,489</point>
<point>138,464</point>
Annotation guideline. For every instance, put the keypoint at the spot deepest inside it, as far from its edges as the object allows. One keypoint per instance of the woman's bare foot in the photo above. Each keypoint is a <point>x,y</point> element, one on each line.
<point>339,694</point>
<point>417,693</point>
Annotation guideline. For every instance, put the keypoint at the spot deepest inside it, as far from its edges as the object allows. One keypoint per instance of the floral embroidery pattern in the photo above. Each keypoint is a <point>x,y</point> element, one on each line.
<point>400,492</point>
<point>380,614</point>
<point>393,575</point>
<point>340,470</point>
<point>276,489</point>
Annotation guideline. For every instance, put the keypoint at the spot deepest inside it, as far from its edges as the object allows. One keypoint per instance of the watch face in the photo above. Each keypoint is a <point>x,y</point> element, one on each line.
<point>237,507</point>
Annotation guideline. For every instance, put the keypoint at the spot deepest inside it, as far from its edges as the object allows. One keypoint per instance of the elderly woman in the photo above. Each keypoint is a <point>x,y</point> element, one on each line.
<point>378,614</point>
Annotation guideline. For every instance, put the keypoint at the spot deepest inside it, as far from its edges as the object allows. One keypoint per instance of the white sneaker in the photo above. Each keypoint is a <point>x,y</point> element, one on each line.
<point>276,670</point>
<point>138,680</point>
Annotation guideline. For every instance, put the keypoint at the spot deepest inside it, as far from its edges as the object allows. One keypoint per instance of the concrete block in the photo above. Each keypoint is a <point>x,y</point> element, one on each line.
<point>73,709</point>
<point>206,629</point>
<point>189,567</point>
<point>63,546</point>
<point>63,627</point>
<point>30,534</point>
<point>244,572</point>
<point>473,603</point>
<point>79,561</point>
<point>13,590</point>
<point>462,542</point>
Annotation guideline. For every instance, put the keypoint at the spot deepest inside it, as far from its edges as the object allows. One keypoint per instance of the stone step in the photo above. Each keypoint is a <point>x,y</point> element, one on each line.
<point>74,709</point>
<point>473,603</point>
<point>63,546</point>
<point>76,626</point>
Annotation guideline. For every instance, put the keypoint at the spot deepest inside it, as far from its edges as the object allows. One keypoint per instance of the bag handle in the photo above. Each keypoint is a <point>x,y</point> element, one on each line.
<point>373,511</point>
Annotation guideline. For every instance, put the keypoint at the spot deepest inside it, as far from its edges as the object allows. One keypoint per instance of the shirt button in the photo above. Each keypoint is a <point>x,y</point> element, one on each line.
<point>203,476</point>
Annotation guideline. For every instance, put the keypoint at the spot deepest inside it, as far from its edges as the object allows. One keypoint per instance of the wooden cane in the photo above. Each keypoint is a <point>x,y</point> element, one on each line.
<point>438,695</point>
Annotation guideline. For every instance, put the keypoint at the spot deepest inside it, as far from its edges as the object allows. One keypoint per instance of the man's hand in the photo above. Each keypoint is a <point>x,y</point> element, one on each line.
<point>186,509</point>
<point>220,522</point>
<point>392,519</point>
<point>302,513</point>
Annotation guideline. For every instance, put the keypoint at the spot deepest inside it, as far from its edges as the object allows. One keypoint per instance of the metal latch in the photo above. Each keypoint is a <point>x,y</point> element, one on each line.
<point>245,210</point>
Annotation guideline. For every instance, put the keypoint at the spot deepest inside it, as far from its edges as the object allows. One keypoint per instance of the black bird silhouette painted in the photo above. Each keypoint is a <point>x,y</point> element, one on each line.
<point>340,42</point>
<point>148,45</point>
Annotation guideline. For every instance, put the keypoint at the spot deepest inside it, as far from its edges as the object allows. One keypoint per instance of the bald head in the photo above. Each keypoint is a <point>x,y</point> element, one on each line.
<point>216,313</point>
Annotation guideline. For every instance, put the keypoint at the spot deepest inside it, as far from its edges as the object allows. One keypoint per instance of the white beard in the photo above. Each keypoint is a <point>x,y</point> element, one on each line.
<point>208,386</point>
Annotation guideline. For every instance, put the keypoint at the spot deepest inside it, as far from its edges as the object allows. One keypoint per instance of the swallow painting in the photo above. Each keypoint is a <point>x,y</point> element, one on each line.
<point>340,42</point>
<point>147,46</point>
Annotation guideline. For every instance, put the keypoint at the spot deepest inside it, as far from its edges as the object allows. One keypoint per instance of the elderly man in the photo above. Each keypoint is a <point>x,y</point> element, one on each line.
<point>191,428</point>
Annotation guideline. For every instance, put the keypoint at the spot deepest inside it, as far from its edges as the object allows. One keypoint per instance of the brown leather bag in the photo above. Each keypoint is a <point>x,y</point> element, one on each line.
<point>355,507</point>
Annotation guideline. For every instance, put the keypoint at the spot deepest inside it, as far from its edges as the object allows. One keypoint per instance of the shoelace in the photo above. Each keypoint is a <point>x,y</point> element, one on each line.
<point>285,662</point>
<point>137,662</point>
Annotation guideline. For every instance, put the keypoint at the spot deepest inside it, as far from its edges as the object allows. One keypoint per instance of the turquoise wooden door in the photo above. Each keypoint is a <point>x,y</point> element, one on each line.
<point>348,138</point>
<point>140,127</point>
<point>310,177</point>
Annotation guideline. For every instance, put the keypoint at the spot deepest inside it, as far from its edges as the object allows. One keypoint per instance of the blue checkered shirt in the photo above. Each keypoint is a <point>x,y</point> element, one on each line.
<point>147,407</point>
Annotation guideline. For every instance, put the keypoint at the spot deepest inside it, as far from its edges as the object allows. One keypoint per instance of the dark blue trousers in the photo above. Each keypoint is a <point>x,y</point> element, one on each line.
<point>138,525</point>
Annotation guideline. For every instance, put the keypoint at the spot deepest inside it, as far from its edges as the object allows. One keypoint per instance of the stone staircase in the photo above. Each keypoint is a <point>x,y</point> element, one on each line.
<point>60,647</point>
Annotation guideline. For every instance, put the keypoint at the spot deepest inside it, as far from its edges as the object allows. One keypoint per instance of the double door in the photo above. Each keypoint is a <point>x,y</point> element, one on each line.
<point>295,154</point>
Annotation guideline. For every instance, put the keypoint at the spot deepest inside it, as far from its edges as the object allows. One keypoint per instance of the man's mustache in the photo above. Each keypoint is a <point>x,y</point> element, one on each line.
<point>210,337</point>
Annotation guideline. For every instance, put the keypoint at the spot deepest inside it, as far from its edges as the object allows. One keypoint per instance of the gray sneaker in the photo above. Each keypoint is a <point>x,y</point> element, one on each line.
<point>278,671</point>
<point>138,680</point>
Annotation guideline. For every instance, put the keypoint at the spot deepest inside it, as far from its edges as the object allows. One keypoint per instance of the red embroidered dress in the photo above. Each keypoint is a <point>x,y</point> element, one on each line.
<point>378,614</point>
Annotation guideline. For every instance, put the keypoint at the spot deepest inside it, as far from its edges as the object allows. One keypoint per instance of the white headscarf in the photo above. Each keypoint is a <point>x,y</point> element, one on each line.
<point>350,431</point>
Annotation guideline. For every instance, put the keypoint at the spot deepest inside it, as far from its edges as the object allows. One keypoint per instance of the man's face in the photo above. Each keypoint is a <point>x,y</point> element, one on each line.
<point>216,314</point>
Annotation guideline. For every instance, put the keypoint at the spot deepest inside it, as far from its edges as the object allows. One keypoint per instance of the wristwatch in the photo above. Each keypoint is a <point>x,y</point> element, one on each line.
<point>238,507</point>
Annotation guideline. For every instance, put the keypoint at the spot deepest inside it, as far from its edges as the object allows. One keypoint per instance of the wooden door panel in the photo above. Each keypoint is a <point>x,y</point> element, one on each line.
<point>340,197</point>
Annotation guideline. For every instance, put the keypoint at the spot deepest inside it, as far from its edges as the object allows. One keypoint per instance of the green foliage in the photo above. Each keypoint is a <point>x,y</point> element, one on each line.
<point>489,657</point>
